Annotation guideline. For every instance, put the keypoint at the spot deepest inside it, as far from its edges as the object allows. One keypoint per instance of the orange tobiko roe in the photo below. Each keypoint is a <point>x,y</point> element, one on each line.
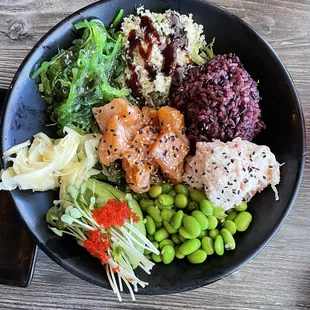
<point>98,245</point>
<point>114,213</point>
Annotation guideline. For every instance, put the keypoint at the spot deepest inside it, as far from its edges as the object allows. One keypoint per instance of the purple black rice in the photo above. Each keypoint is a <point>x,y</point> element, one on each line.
<point>219,100</point>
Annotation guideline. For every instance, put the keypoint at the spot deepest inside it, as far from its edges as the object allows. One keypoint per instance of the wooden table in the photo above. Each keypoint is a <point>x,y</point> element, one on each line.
<point>279,277</point>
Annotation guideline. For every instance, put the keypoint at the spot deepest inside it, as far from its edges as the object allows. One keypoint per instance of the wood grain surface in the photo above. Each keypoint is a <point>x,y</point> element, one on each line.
<point>279,277</point>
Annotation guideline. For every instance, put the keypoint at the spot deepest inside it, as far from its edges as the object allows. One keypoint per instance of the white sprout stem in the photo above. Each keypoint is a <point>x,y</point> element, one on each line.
<point>120,283</point>
<point>86,226</point>
<point>115,284</point>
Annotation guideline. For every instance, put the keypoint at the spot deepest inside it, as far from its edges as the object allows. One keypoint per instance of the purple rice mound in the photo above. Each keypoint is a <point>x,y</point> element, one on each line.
<point>219,100</point>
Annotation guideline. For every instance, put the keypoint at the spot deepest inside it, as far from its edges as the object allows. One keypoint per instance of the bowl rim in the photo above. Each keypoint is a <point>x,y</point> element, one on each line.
<point>80,274</point>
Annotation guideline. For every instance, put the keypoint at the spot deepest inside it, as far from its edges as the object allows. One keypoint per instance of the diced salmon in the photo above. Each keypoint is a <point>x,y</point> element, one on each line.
<point>169,151</point>
<point>149,117</point>
<point>128,113</point>
<point>139,151</point>
<point>113,142</point>
<point>170,119</point>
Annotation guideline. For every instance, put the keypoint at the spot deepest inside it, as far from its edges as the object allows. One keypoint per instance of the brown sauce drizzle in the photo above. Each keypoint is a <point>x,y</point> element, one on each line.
<point>145,46</point>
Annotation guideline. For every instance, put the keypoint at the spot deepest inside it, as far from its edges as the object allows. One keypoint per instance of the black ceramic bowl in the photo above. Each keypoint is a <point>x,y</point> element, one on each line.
<point>25,115</point>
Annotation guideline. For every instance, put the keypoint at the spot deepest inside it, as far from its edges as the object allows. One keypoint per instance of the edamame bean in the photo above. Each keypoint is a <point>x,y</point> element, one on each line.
<point>203,234</point>
<point>165,242</point>
<point>175,238</point>
<point>145,203</point>
<point>230,226</point>
<point>154,213</point>
<point>231,215</point>
<point>150,225</point>
<point>165,199</point>
<point>182,239</point>
<point>191,206</point>
<point>219,245</point>
<point>167,215</point>
<point>182,189</point>
<point>219,212</point>
<point>177,219</point>
<point>229,241</point>
<point>243,220</point>
<point>183,232</point>
<point>160,206</point>
<point>201,219</point>
<point>212,222</point>
<point>206,207</point>
<point>166,188</point>
<point>147,252</point>
<point>197,195</point>
<point>161,234</point>
<point>180,201</point>
<point>156,244</point>
<point>197,257</point>
<point>192,226</point>
<point>207,245</point>
<point>172,193</point>
<point>150,237</point>
<point>167,254</point>
<point>177,253</point>
<point>214,233</point>
<point>158,224</point>
<point>155,191</point>
<point>189,246</point>
<point>156,257</point>
<point>170,228</point>
<point>241,207</point>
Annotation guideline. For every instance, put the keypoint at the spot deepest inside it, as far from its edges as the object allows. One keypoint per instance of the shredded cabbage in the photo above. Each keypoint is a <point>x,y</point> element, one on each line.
<point>46,164</point>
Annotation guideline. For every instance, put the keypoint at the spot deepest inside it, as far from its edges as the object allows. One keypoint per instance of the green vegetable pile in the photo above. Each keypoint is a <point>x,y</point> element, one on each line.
<point>182,223</point>
<point>86,75</point>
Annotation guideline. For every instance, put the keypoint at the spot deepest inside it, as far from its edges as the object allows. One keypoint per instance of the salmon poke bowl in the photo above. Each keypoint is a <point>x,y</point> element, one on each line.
<point>154,148</point>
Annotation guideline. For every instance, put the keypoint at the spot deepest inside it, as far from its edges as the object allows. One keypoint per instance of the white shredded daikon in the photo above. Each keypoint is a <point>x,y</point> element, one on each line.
<point>46,163</point>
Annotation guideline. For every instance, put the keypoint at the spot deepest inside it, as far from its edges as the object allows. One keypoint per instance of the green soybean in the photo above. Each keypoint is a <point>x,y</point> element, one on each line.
<point>150,237</point>
<point>162,207</point>
<point>201,219</point>
<point>166,199</point>
<point>206,207</point>
<point>147,252</point>
<point>183,239</point>
<point>230,226</point>
<point>175,238</point>
<point>203,234</point>
<point>212,222</point>
<point>155,191</point>
<point>241,207</point>
<point>177,253</point>
<point>184,233</point>
<point>219,212</point>
<point>207,245</point>
<point>156,244</point>
<point>197,257</point>
<point>161,234</point>
<point>192,226</point>
<point>170,228</point>
<point>167,254</point>
<point>165,242</point>
<point>219,245</point>
<point>177,219</point>
<point>214,233</point>
<point>167,215</point>
<point>154,213</point>
<point>166,188</point>
<point>229,241</point>
<point>191,206</point>
<point>231,215</point>
<point>197,195</point>
<point>182,189</point>
<point>158,224</point>
<point>180,201</point>
<point>145,203</point>
<point>172,193</point>
<point>189,246</point>
<point>156,257</point>
<point>150,225</point>
<point>243,220</point>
